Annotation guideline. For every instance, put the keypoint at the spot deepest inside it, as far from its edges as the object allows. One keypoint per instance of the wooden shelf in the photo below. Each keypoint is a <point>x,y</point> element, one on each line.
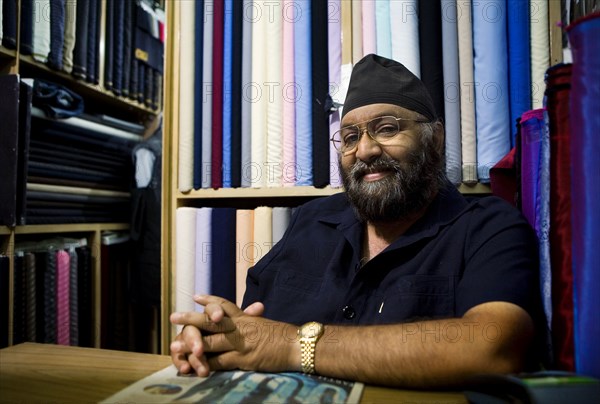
<point>69,228</point>
<point>31,67</point>
<point>5,231</point>
<point>7,53</point>
<point>293,192</point>
<point>275,192</point>
<point>475,189</point>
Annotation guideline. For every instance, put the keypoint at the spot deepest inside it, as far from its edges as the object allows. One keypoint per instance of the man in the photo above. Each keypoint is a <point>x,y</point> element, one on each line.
<point>409,283</point>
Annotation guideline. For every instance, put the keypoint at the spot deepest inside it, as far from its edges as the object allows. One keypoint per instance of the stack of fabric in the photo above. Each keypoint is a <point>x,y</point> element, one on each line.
<point>66,35</point>
<point>262,82</point>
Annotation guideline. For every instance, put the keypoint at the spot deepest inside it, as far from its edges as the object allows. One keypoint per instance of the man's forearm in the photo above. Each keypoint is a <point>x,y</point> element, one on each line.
<point>425,354</point>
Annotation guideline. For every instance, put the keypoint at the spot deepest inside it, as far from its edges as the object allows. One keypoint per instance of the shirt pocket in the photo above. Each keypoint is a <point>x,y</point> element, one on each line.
<point>298,282</point>
<point>419,297</point>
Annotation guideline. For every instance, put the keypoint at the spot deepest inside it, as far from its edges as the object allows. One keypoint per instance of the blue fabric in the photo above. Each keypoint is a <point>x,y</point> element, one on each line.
<point>198,79</point>
<point>542,224</point>
<point>9,24</point>
<point>128,49</point>
<point>92,46</point>
<point>227,54</point>
<point>384,29</point>
<point>491,83</point>
<point>585,191</point>
<point>80,52</point>
<point>26,39</point>
<point>57,34</point>
<point>118,21</point>
<point>223,253</point>
<point>519,61</point>
<point>303,76</point>
<point>532,126</point>
<point>109,46</point>
<point>55,100</point>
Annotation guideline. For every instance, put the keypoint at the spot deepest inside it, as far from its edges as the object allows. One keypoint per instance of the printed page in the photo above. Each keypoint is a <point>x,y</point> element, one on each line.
<point>168,386</point>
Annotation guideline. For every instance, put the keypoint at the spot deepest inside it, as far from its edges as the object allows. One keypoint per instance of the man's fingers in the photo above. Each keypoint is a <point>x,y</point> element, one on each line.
<point>255,309</point>
<point>202,321</point>
<point>229,308</point>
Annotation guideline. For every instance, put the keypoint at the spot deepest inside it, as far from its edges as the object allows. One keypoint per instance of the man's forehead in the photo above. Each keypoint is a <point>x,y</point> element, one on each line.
<point>371,111</point>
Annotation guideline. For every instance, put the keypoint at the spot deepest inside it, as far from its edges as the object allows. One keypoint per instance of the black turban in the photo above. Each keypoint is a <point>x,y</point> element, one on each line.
<point>376,79</point>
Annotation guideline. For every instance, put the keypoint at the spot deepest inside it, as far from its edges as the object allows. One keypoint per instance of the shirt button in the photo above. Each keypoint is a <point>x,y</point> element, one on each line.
<point>349,312</point>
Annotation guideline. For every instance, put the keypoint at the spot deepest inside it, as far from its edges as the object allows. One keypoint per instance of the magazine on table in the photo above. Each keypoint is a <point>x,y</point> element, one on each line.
<point>169,386</point>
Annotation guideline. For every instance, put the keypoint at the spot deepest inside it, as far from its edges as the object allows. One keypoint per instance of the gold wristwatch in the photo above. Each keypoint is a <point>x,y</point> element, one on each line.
<point>309,334</point>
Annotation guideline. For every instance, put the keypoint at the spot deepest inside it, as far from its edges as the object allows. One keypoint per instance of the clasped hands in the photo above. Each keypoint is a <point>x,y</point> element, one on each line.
<point>224,337</point>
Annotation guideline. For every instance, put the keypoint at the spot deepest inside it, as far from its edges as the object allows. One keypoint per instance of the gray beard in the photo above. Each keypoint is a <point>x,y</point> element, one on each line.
<point>408,188</point>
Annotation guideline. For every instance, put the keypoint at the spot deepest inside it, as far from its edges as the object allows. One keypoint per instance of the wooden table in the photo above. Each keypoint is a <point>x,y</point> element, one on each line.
<point>59,374</point>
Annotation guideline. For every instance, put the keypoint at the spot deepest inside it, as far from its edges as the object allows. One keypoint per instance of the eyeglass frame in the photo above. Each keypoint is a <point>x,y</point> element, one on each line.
<point>364,129</point>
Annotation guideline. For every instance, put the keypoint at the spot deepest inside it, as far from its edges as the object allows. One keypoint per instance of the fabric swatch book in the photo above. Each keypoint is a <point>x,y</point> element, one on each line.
<point>168,386</point>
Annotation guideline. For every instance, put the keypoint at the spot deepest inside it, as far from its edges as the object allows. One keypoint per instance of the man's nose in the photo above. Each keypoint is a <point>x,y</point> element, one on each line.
<point>367,149</point>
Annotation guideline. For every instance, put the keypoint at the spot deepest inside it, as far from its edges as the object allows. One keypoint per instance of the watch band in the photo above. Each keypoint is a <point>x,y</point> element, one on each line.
<point>309,334</point>
<point>307,352</point>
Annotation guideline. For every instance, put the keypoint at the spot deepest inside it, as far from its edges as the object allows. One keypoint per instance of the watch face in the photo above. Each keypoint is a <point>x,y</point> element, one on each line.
<point>311,330</point>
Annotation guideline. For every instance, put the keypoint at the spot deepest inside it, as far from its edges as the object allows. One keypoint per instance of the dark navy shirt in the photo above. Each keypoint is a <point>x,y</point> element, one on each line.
<point>461,253</point>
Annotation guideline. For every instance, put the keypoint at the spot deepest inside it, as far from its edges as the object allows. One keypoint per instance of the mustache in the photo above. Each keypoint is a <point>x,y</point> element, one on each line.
<point>359,169</point>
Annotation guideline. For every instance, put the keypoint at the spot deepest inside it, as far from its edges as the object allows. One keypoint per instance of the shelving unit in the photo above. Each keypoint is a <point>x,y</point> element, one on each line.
<point>98,99</point>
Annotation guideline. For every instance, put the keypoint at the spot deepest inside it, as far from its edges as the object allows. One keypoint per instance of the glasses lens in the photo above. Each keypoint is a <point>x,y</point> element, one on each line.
<point>349,137</point>
<point>383,128</point>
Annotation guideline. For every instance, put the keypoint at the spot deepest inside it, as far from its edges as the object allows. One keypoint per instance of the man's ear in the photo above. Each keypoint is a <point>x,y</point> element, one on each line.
<point>439,136</point>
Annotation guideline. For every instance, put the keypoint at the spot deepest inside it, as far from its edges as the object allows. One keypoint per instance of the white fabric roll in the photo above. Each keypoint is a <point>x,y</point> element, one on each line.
<point>467,94</point>
<point>41,30</point>
<point>404,16</point>
<point>274,93</point>
<point>540,50</point>
<point>203,254</point>
<point>207,74</point>
<point>258,94</point>
<point>246,101</point>
<point>186,97</point>
<point>185,245</point>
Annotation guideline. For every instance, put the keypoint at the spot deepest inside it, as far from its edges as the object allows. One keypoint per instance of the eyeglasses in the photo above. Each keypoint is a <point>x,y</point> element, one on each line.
<point>382,130</point>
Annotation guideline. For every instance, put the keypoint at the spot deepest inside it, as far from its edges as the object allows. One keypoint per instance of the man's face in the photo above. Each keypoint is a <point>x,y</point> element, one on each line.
<point>388,181</point>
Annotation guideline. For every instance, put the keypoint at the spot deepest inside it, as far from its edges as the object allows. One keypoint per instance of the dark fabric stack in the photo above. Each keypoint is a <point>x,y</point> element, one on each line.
<point>34,299</point>
<point>134,52</point>
<point>83,155</point>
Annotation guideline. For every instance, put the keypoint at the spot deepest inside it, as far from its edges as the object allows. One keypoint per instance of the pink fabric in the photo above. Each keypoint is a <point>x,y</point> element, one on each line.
<point>369,30</point>
<point>289,97</point>
<point>63,267</point>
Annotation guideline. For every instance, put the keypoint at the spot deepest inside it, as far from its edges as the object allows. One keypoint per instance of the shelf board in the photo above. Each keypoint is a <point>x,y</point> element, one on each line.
<point>83,86</point>
<point>7,53</point>
<point>275,192</point>
<point>69,228</point>
<point>477,188</point>
<point>5,231</point>
<point>279,192</point>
